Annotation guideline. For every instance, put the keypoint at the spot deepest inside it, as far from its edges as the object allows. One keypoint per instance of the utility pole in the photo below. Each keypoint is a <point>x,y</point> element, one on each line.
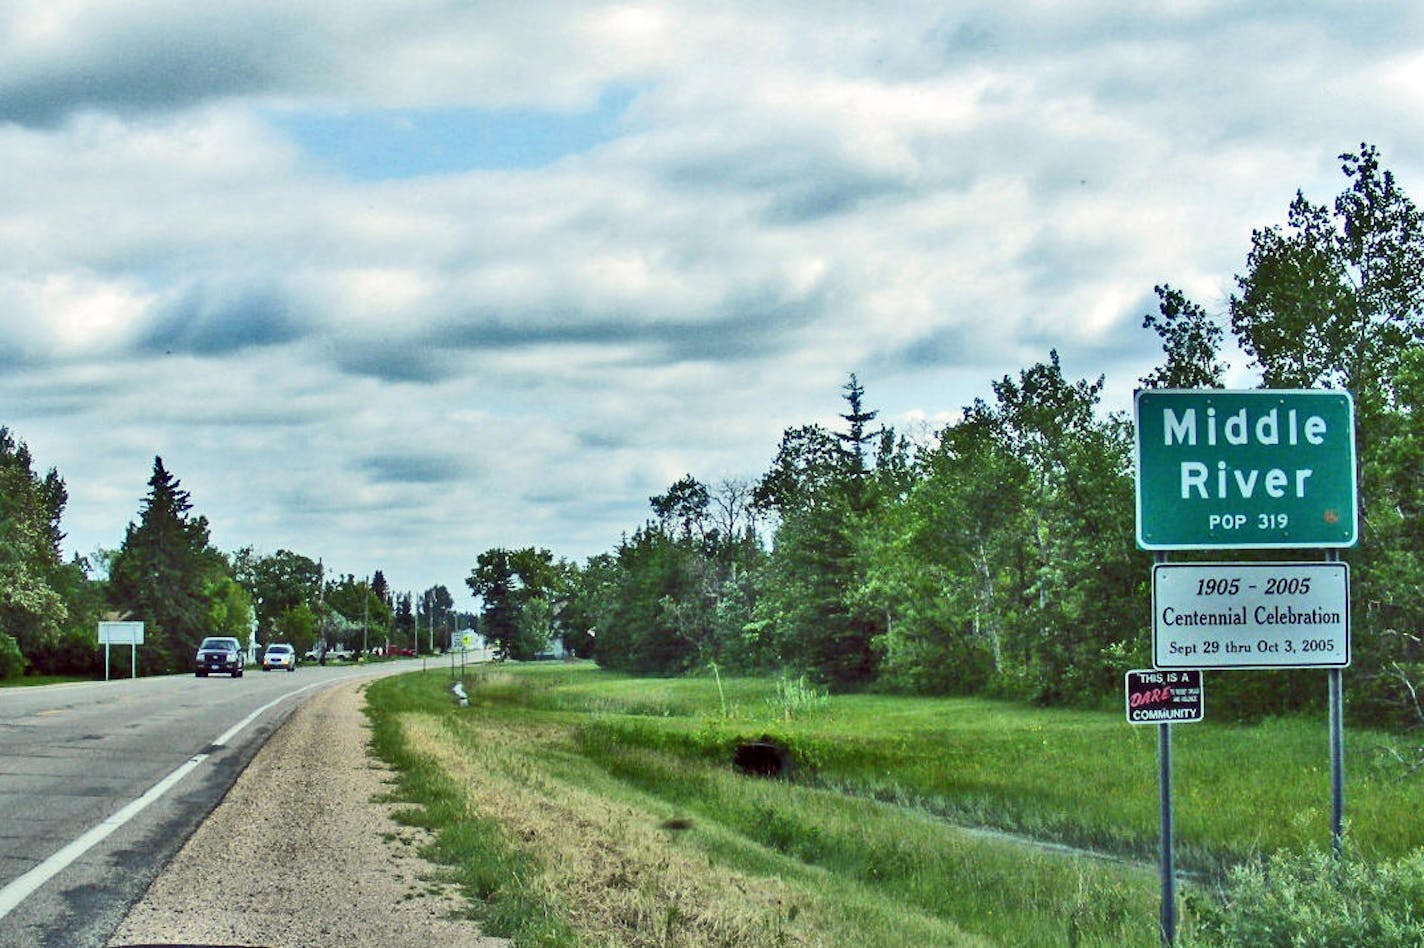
<point>321,610</point>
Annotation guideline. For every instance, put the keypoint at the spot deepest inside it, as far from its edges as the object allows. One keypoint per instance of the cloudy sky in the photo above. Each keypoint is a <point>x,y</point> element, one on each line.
<point>392,282</point>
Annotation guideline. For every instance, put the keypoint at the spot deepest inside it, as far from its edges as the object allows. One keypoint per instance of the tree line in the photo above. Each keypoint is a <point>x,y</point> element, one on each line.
<point>998,556</point>
<point>167,574</point>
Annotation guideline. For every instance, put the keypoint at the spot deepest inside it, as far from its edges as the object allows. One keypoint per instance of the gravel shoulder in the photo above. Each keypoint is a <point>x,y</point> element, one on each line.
<point>301,854</point>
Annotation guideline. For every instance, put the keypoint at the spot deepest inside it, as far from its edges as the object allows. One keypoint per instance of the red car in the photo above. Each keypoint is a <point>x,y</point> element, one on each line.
<point>396,650</point>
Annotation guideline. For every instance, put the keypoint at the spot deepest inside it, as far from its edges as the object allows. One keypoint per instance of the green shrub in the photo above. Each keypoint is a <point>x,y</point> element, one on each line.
<point>1314,898</point>
<point>797,697</point>
<point>12,662</point>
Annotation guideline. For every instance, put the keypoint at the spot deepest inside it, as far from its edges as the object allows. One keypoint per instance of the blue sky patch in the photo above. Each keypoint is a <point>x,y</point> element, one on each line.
<point>394,144</point>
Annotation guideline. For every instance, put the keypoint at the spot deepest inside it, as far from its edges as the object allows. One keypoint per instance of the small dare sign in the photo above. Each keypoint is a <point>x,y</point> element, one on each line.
<point>1164,697</point>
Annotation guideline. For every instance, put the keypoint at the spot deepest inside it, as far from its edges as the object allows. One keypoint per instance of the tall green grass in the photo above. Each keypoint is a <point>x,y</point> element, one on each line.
<point>1314,897</point>
<point>882,787</point>
<point>893,874</point>
<point>1083,778</point>
<point>1006,892</point>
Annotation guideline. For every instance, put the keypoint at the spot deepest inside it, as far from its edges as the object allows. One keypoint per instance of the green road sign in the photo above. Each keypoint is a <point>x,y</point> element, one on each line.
<point>1245,469</point>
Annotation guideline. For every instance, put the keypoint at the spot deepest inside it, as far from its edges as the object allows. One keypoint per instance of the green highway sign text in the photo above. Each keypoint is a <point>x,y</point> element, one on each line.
<point>1258,468</point>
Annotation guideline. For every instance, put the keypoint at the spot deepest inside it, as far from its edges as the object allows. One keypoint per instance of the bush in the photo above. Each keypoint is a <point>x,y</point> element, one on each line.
<point>1314,899</point>
<point>12,662</point>
<point>795,698</point>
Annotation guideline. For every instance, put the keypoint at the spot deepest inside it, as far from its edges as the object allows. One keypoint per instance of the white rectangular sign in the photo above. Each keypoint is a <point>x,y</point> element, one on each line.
<point>1250,615</point>
<point>120,633</point>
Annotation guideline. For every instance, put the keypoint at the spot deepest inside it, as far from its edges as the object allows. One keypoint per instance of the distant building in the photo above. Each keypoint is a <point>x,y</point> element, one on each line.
<point>554,650</point>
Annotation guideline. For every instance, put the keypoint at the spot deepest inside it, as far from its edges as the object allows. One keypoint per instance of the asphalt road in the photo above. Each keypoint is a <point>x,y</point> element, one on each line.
<point>100,784</point>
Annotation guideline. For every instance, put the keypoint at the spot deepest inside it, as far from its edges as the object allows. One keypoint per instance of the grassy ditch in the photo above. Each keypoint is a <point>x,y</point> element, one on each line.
<point>581,807</point>
<point>1082,778</point>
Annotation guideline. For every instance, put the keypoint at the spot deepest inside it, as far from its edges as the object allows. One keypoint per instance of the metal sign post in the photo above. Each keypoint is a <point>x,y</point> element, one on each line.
<point>121,633</point>
<point>1167,918</point>
<point>1337,744</point>
<point>1165,698</point>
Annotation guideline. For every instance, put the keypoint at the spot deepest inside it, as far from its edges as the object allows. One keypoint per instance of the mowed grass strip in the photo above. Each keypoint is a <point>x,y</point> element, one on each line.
<point>496,877</point>
<point>633,844</point>
<point>35,681</point>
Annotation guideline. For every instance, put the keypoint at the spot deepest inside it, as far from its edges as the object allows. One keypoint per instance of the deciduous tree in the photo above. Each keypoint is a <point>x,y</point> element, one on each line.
<point>1335,296</point>
<point>278,584</point>
<point>519,592</point>
<point>32,613</point>
<point>1191,343</point>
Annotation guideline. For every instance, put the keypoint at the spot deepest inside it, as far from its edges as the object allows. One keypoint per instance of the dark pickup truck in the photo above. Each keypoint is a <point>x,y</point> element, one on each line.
<point>221,656</point>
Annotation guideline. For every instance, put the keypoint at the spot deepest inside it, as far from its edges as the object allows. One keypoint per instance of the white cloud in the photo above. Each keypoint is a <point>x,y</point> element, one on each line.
<point>62,316</point>
<point>396,374</point>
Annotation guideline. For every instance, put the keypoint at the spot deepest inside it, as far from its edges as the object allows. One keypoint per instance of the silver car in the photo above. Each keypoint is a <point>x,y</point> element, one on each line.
<point>279,655</point>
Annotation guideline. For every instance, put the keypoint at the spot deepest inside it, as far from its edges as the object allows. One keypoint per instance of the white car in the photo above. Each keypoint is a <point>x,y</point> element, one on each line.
<point>279,655</point>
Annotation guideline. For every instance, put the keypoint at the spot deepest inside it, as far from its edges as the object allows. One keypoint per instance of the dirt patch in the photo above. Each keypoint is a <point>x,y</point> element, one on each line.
<point>300,854</point>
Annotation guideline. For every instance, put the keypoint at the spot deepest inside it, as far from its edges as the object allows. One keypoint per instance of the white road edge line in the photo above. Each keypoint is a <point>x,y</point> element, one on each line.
<point>24,886</point>
<point>236,729</point>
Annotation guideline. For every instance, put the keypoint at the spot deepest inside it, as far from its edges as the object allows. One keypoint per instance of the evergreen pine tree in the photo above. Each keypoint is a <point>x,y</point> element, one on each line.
<point>856,437</point>
<point>160,573</point>
<point>821,486</point>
